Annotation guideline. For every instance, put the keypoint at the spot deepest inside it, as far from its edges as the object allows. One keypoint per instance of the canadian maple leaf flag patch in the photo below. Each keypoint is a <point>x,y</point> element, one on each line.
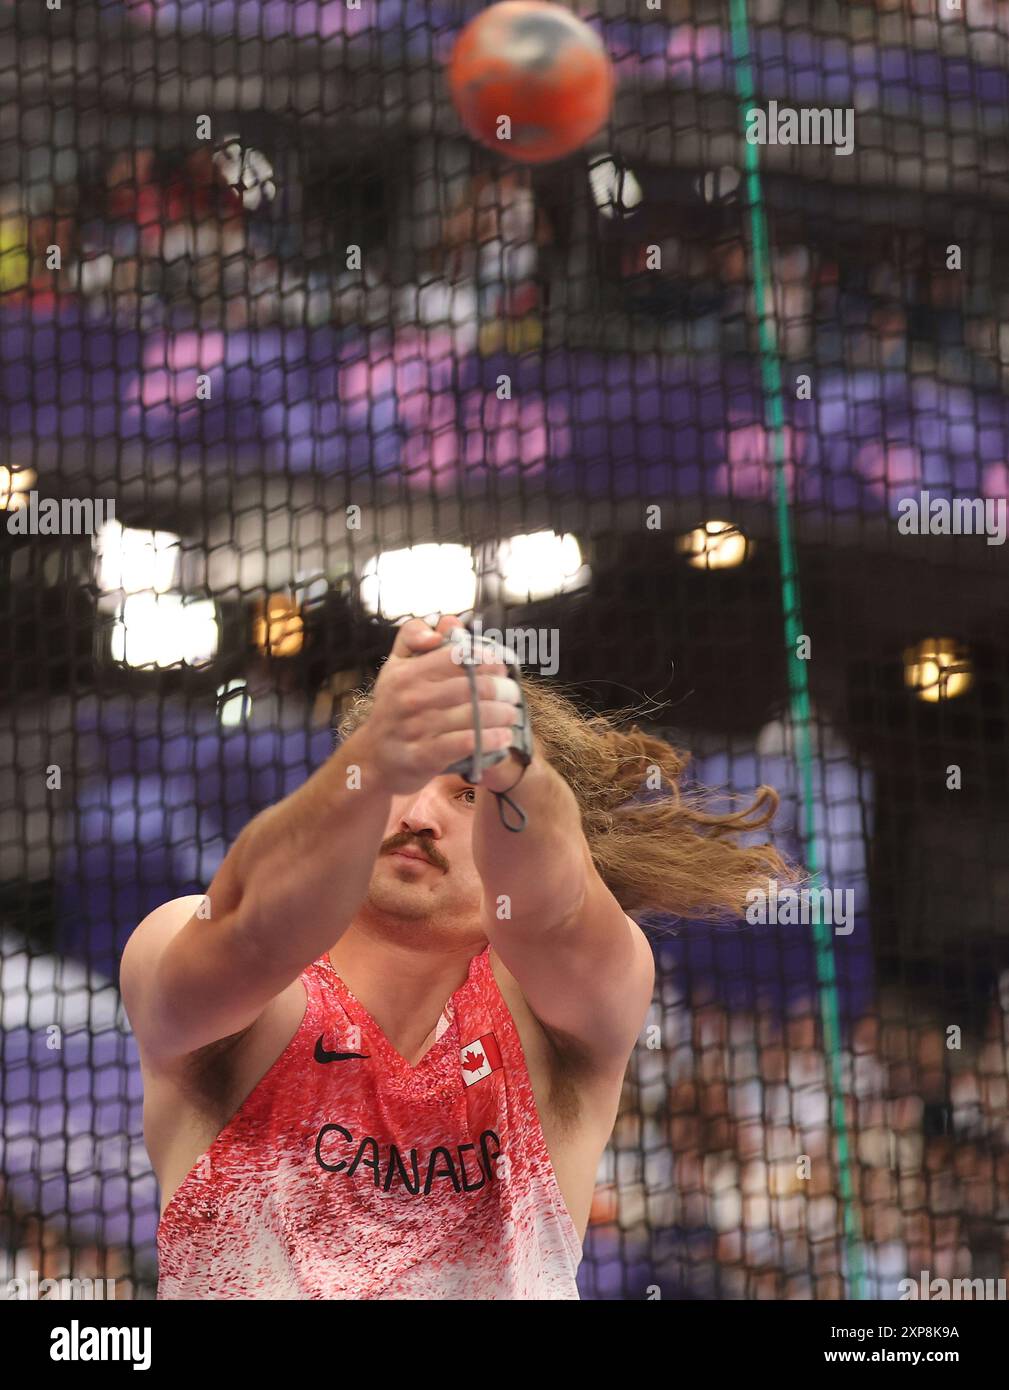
<point>480,1058</point>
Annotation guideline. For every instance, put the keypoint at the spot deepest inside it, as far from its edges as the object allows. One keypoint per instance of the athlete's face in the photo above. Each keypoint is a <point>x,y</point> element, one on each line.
<point>425,866</point>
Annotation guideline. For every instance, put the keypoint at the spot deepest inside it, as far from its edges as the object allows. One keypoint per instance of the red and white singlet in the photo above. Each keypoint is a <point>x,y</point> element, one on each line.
<point>348,1173</point>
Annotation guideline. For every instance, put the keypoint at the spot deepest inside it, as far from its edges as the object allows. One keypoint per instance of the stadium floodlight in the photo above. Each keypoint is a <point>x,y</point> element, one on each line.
<point>15,485</point>
<point>136,561</point>
<point>539,565</point>
<point>422,581</point>
<point>165,630</point>
<point>938,669</point>
<point>278,629</point>
<point>234,704</point>
<point>615,190</point>
<point>717,545</point>
<point>246,171</point>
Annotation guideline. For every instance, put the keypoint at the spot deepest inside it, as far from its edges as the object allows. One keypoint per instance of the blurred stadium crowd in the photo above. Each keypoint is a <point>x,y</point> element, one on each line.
<point>196,241</point>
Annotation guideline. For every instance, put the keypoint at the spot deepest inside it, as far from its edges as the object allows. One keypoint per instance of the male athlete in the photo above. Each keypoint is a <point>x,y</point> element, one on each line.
<point>383,1056</point>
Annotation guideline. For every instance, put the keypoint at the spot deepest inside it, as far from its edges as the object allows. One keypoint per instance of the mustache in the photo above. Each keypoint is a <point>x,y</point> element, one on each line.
<point>421,843</point>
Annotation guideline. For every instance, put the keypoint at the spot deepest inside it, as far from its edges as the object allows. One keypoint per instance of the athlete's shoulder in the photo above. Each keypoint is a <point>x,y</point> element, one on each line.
<point>148,940</point>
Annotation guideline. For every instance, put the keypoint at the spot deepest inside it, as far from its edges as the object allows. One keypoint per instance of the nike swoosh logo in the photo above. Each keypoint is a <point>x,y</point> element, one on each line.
<point>321,1055</point>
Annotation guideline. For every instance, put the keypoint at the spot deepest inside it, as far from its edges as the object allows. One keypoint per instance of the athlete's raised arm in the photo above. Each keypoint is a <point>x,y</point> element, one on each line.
<point>200,969</point>
<point>585,969</point>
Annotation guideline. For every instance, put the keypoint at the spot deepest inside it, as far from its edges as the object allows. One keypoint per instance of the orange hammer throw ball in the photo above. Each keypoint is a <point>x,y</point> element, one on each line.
<point>530,80</point>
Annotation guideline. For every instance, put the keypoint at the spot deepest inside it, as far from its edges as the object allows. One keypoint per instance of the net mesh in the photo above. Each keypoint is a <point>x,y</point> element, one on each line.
<point>268,318</point>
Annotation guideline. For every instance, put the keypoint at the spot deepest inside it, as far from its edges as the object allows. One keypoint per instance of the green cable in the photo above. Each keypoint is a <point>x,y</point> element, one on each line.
<point>798,682</point>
